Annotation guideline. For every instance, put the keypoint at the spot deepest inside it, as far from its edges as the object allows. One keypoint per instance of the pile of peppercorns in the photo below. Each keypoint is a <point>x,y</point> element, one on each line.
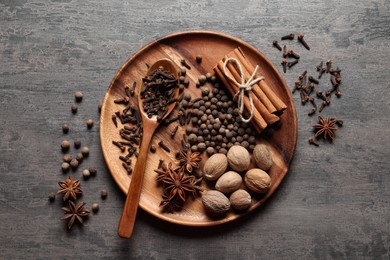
<point>215,124</point>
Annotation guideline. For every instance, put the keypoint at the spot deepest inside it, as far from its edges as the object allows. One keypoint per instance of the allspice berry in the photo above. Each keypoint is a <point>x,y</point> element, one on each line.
<point>92,170</point>
<point>262,157</point>
<point>65,145</point>
<point>77,143</point>
<point>67,158</point>
<point>65,128</point>
<point>85,151</point>
<point>257,180</point>
<point>78,96</point>
<point>65,166</point>
<point>86,174</point>
<point>74,164</point>
<point>240,200</point>
<point>103,194</point>
<point>89,123</point>
<point>51,197</point>
<point>238,158</point>
<point>95,207</point>
<point>74,108</point>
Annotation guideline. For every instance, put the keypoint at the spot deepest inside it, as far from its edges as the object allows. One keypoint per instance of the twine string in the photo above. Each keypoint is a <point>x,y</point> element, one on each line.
<point>243,88</point>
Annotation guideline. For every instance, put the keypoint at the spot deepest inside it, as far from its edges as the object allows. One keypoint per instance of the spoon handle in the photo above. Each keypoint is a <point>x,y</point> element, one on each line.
<point>126,223</point>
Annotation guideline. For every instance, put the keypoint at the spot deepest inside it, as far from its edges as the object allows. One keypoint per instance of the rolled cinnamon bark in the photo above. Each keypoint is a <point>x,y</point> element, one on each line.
<point>258,121</point>
<point>267,115</point>
<point>248,67</point>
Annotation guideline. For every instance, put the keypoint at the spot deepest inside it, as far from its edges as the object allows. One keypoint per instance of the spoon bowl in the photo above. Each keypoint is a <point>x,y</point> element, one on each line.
<point>149,125</point>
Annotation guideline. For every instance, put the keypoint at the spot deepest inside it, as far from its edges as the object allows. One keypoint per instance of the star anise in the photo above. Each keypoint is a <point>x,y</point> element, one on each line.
<point>177,185</point>
<point>325,127</point>
<point>70,189</point>
<point>188,160</point>
<point>73,213</point>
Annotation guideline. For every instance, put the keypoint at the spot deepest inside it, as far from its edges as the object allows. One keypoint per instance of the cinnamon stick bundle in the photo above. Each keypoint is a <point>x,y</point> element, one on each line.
<point>266,103</point>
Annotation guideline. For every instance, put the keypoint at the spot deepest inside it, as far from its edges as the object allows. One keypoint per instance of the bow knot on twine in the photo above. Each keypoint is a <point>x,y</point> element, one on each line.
<point>243,88</point>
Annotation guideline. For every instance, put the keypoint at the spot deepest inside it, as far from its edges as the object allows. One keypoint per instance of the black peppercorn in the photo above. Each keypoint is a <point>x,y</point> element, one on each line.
<point>79,157</point>
<point>153,148</point>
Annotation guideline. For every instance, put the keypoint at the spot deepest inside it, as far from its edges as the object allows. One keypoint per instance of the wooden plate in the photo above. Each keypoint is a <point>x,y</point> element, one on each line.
<point>186,45</point>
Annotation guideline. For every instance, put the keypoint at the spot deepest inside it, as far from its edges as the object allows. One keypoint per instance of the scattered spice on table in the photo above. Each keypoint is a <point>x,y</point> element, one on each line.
<point>70,189</point>
<point>74,212</point>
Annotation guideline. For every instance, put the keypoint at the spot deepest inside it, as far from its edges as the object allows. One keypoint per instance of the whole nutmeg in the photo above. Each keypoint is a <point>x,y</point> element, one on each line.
<point>240,200</point>
<point>215,166</point>
<point>262,157</point>
<point>257,180</point>
<point>229,182</point>
<point>215,202</point>
<point>238,158</point>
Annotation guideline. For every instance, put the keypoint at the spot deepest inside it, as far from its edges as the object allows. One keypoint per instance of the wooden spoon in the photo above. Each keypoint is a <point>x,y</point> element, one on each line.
<point>149,125</point>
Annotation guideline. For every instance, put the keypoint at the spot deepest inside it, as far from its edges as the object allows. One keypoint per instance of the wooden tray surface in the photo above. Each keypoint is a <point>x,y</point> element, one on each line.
<point>186,45</point>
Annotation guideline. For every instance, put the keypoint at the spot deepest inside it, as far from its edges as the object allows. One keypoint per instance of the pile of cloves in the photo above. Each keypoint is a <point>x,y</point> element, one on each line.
<point>290,53</point>
<point>158,92</point>
<point>307,85</point>
<point>131,135</point>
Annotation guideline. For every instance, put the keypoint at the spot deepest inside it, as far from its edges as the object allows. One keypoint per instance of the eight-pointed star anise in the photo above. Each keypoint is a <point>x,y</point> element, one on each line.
<point>70,189</point>
<point>73,212</point>
<point>188,160</point>
<point>325,127</point>
<point>176,187</point>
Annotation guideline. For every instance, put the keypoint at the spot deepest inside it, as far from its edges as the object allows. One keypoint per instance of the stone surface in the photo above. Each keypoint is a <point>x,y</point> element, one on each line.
<point>335,200</point>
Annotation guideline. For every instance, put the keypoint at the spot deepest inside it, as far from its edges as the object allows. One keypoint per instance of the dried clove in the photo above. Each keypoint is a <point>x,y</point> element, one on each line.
<point>284,64</point>
<point>284,51</point>
<point>185,64</point>
<point>288,37</point>
<point>114,120</point>
<point>164,146</point>
<point>276,45</point>
<point>292,63</point>
<point>312,142</point>
<point>328,66</point>
<point>174,131</point>
<point>293,54</point>
<point>312,79</point>
<point>301,40</point>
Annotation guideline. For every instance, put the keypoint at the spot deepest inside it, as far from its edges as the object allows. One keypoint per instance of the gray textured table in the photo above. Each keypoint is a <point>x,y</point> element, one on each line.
<point>335,201</point>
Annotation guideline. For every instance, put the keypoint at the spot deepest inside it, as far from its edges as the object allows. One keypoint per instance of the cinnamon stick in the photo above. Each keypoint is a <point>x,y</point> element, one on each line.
<point>258,121</point>
<point>268,117</point>
<point>276,101</point>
